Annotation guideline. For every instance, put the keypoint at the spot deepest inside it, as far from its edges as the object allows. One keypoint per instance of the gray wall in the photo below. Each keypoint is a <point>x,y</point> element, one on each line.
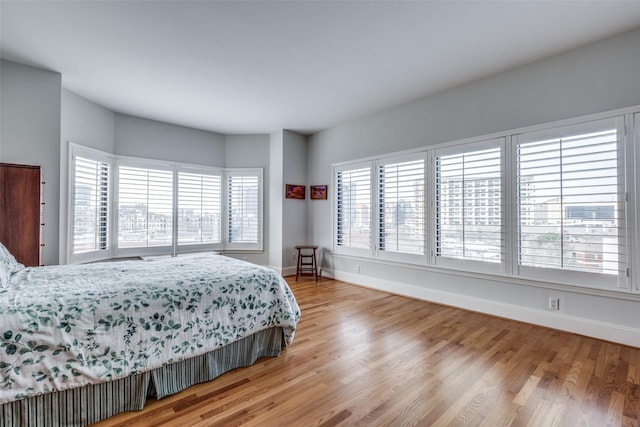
<point>287,217</point>
<point>87,123</point>
<point>596,78</point>
<point>30,134</point>
<point>276,201</point>
<point>294,218</point>
<point>139,137</point>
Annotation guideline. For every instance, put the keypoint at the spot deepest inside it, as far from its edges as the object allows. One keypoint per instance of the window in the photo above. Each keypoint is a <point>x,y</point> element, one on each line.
<point>570,197</point>
<point>90,183</point>
<point>244,207</point>
<point>199,208</point>
<point>353,214</point>
<point>549,204</point>
<point>401,214</point>
<point>468,203</point>
<point>145,207</point>
<point>122,206</point>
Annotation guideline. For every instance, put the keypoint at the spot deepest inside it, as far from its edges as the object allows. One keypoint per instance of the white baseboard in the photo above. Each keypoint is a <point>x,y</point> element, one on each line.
<point>286,271</point>
<point>579,325</point>
<point>289,271</point>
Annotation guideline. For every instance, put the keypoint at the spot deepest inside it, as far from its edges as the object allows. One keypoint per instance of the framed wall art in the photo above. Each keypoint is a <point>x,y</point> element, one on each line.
<point>318,192</point>
<point>294,191</point>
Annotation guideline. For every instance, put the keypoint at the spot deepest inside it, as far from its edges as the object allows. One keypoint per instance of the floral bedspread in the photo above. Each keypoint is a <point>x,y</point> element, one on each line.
<point>67,326</point>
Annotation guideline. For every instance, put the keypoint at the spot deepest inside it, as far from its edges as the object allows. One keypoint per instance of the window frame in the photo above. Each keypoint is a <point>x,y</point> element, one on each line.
<point>466,264</point>
<point>202,171</point>
<point>401,256</point>
<point>350,250</point>
<point>243,246</point>
<point>579,278</point>
<point>132,162</point>
<point>76,150</point>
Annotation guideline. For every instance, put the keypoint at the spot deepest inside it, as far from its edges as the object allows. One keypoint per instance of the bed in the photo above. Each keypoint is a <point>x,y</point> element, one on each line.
<point>79,343</point>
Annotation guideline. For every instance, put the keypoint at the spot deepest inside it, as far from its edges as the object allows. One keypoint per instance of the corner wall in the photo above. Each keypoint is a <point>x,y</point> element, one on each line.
<point>294,216</point>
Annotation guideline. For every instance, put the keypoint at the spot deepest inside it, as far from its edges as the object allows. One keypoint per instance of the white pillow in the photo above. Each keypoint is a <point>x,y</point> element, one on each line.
<point>8,265</point>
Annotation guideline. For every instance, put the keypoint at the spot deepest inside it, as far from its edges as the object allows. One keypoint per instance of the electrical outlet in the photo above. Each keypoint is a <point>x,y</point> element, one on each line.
<point>357,268</point>
<point>554,303</point>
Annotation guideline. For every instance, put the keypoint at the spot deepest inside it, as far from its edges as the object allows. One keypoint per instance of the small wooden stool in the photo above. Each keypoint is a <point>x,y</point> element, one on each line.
<point>307,264</point>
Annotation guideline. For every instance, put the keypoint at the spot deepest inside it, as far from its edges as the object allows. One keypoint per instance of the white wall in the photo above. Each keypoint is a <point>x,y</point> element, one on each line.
<point>599,77</point>
<point>253,151</point>
<point>82,122</point>
<point>30,134</point>
<point>139,137</point>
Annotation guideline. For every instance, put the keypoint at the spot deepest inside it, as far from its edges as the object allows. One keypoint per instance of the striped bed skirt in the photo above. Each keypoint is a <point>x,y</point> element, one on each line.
<point>92,403</point>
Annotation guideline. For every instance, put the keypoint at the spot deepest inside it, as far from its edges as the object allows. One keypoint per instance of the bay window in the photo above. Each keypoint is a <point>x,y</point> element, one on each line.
<point>121,206</point>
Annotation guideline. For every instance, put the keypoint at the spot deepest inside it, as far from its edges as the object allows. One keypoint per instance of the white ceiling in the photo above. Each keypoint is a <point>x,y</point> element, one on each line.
<point>260,66</point>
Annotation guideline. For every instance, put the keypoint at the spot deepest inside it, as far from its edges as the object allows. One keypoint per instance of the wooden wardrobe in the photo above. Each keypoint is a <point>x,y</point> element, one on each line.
<point>21,211</point>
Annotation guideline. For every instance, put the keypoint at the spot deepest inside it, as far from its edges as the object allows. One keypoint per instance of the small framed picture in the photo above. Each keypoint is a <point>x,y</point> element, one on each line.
<point>318,192</point>
<point>294,191</point>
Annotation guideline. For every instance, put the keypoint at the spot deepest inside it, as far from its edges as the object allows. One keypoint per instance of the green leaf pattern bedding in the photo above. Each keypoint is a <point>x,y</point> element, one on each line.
<point>63,327</point>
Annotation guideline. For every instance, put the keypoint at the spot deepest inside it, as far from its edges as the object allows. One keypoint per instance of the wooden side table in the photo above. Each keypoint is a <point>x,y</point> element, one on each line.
<point>307,264</point>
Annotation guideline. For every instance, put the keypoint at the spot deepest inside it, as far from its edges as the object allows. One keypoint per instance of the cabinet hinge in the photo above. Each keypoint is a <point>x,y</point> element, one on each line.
<point>628,272</point>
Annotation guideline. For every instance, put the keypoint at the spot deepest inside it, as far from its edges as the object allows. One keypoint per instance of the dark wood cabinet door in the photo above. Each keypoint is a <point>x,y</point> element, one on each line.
<point>20,211</point>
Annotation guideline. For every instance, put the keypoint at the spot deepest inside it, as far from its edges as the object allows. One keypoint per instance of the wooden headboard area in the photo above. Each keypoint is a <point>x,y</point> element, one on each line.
<point>21,211</point>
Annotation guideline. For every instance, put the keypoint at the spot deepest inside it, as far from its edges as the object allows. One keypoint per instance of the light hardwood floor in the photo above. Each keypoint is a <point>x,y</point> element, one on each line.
<point>367,358</point>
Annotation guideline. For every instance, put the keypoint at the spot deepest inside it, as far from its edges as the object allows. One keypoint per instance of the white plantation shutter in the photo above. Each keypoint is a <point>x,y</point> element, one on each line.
<point>401,214</point>
<point>468,203</point>
<point>124,206</point>
<point>244,209</point>
<point>145,207</point>
<point>570,197</point>
<point>90,186</point>
<point>353,213</point>
<point>199,208</point>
